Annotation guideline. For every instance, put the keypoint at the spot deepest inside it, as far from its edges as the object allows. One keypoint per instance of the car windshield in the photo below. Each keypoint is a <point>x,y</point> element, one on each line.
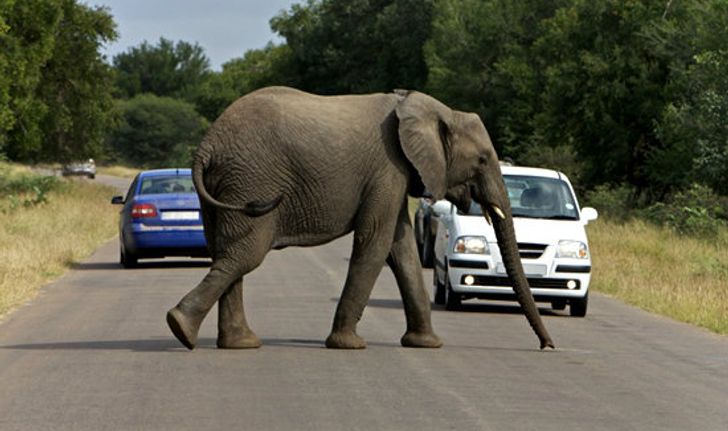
<point>167,184</point>
<point>537,197</point>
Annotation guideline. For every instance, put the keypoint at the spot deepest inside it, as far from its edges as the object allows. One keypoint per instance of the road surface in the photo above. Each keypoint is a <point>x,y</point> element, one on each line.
<point>92,352</point>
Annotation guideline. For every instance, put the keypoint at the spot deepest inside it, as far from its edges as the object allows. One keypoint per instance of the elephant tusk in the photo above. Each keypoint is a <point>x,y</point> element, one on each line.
<point>499,212</point>
<point>487,218</point>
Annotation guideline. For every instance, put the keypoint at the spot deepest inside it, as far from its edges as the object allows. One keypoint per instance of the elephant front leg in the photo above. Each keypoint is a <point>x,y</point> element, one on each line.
<point>369,253</point>
<point>405,264</point>
<point>233,330</point>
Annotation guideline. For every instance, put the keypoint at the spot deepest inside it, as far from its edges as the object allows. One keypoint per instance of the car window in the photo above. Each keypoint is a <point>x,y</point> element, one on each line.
<point>167,184</point>
<point>538,197</point>
<point>132,189</point>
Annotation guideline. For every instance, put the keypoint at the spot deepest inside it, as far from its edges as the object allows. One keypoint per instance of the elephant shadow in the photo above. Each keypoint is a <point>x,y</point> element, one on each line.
<point>164,345</point>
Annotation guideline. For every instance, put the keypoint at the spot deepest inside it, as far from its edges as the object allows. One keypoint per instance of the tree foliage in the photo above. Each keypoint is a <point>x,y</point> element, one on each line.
<point>54,84</point>
<point>157,131</point>
<point>167,69</point>
<point>76,85</point>
<point>635,91</point>
<point>343,46</point>
<point>257,68</point>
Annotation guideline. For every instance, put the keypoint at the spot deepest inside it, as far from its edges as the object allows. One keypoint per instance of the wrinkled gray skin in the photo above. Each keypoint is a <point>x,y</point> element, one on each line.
<point>281,167</point>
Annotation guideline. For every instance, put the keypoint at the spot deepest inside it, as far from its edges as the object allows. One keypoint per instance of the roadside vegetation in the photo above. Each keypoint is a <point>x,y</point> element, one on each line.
<point>118,171</point>
<point>46,225</point>
<point>662,271</point>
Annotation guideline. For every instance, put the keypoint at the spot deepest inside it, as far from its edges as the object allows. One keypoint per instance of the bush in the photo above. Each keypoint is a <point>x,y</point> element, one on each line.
<point>611,201</point>
<point>696,211</point>
<point>23,189</point>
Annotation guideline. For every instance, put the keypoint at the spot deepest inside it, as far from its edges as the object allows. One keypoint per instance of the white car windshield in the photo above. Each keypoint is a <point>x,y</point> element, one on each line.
<point>537,197</point>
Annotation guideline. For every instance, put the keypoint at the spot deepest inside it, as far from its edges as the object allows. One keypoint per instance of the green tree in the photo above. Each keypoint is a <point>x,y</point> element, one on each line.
<point>26,44</point>
<point>480,60</point>
<point>166,69</point>
<point>342,46</point>
<point>694,125</point>
<point>54,84</point>
<point>157,131</point>
<point>257,68</point>
<point>76,85</point>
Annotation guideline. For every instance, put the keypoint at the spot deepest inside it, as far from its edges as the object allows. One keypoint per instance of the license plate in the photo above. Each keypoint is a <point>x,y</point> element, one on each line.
<point>530,269</point>
<point>180,215</point>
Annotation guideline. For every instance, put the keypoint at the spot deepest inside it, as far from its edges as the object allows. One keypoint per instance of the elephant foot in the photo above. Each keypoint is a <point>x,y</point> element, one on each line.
<point>421,339</point>
<point>238,340</point>
<point>183,327</point>
<point>345,340</point>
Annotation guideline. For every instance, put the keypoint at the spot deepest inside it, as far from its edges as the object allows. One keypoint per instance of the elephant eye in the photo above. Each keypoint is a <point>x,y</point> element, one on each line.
<point>482,159</point>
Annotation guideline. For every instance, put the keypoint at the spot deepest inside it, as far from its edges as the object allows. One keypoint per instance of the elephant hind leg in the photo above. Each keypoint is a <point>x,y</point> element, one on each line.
<point>227,270</point>
<point>186,317</point>
<point>233,331</point>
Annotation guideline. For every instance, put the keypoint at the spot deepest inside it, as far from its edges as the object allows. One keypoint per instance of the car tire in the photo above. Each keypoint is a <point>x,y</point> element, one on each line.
<point>439,294</point>
<point>128,260</point>
<point>427,255</point>
<point>92,176</point>
<point>577,307</point>
<point>453,301</point>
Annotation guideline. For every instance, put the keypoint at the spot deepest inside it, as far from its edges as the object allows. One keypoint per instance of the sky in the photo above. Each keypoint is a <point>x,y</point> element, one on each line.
<point>224,28</point>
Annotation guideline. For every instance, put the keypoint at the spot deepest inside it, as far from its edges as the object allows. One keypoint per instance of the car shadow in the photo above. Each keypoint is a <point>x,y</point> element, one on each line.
<point>100,266</point>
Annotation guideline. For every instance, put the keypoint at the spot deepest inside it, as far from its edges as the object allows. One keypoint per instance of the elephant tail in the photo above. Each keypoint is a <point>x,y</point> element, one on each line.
<point>251,209</point>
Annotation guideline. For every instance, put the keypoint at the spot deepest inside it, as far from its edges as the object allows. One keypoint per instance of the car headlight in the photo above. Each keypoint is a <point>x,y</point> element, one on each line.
<point>471,245</point>
<point>572,250</point>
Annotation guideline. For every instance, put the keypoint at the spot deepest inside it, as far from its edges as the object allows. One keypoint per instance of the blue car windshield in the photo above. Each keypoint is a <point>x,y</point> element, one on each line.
<point>167,184</point>
<point>537,197</point>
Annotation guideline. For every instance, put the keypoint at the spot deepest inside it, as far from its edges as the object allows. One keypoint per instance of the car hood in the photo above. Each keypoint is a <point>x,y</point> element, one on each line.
<point>529,230</point>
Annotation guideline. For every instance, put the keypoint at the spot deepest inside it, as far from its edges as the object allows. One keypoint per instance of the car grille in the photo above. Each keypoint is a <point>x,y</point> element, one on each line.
<point>476,264</point>
<point>535,283</point>
<point>531,251</point>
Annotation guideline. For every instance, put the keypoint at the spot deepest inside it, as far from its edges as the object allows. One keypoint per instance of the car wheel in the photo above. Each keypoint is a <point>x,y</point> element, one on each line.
<point>426,257</point>
<point>577,307</point>
<point>92,176</point>
<point>453,301</point>
<point>128,260</point>
<point>439,296</point>
<point>558,304</point>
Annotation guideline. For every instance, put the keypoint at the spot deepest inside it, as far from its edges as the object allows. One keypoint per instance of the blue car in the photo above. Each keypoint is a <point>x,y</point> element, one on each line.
<point>161,217</point>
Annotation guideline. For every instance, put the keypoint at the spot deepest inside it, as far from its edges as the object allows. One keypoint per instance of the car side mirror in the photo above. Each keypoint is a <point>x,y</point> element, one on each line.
<point>441,208</point>
<point>117,200</point>
<point>588,214</point>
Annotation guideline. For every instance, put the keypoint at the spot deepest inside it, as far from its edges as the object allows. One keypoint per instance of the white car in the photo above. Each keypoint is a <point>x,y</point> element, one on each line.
<point>551,239</point>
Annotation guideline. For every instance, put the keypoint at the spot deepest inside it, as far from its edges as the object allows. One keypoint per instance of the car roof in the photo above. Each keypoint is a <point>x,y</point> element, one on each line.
<point>532,172</point>
<point>165,172</point>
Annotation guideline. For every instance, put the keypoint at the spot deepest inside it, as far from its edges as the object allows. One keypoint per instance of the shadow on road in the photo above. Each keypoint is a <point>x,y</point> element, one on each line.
<point>102,266</point>
<point>171,345</point>
<point>151,345</point>
<point>467,307</point>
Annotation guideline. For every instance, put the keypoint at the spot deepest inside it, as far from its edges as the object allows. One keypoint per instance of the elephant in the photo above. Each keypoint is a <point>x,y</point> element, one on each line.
<point>281,167</point>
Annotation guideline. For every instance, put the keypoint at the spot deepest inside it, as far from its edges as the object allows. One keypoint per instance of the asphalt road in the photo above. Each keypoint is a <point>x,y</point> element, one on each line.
<point>92,352</point>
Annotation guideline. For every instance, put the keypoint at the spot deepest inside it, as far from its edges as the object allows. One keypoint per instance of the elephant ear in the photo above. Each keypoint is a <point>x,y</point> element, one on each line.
<point>423,124</point>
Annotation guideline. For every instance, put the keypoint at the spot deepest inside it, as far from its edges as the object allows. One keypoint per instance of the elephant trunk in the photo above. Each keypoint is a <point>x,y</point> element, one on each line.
<point>496,207</point>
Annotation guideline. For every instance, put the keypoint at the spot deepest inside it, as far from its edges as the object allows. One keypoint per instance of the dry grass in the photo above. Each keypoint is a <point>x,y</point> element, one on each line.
<point>39,243</point>
<point>659,271</point>
<point>118,171</point>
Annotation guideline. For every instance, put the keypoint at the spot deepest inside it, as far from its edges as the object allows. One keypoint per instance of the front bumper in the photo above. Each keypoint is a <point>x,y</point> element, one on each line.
<point>485,279</point>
